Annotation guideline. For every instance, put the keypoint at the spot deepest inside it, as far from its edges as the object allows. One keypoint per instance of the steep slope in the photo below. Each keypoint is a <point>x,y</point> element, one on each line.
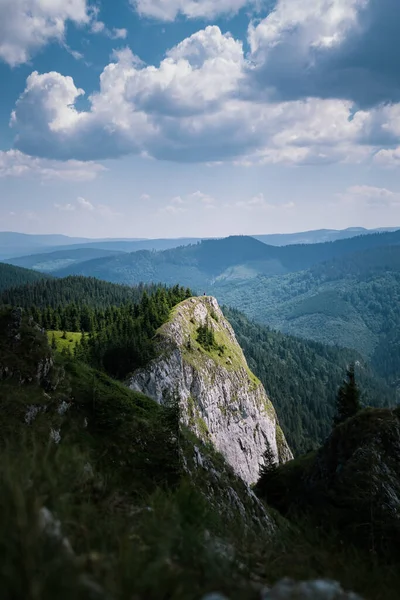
<point>201,364</point>
<point>11,277</point>
<point>302,378</point>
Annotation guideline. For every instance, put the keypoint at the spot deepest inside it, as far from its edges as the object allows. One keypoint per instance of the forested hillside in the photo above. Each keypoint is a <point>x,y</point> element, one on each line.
<point>302,378</point>
<point>11,276</point>
<point>119,323</point>
<point>351,302</point>
<point>233,259</point>
<point>57,293</point>
<point>51,261</point>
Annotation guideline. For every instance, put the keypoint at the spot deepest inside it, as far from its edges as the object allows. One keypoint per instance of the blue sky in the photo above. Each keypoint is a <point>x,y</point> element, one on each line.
<point>168,118</point>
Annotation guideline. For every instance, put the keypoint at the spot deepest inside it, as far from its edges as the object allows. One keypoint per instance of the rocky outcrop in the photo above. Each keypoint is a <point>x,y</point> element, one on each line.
<point>352,482</point>
<point>25,354</point>
<point>202,365</point>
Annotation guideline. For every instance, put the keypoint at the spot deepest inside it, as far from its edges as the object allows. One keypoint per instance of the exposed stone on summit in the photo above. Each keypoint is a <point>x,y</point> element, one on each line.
<point>221,399</point>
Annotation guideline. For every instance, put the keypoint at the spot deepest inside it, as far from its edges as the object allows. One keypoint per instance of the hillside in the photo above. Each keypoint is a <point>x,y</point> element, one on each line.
<point>301,377</point>
<point>11,276</point>
<point>54,293</point>
<point>52,261</point>
<point>318,236</point>
<point>210,262</point>
<point>351,302</point>
<point>105,496</point>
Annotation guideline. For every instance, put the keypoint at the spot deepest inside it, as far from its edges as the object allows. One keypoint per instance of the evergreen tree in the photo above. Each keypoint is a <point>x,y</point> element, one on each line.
<point>268,464</point>
<point>53,342</point>
<point>348,398</point>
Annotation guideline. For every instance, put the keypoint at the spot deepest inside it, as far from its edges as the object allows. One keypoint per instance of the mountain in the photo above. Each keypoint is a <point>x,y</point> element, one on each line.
<point>11,276</point>
<point>15,245</point>
<point>351,302</point>
<point>106,493</point>
<point>301,376</point>
<point>52,261</point>
<point>18,244</point>
<point>211,262</point>
<point>318,236</point>
<point>200,362</point>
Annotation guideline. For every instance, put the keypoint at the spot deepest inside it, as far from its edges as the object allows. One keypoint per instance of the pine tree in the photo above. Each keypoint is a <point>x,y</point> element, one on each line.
<point>53,342</point>
<point>268,464</point>
<point>348,398</point>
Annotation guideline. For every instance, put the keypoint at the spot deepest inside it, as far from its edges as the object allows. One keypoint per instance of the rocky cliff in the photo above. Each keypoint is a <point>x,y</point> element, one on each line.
<point>201,363</point>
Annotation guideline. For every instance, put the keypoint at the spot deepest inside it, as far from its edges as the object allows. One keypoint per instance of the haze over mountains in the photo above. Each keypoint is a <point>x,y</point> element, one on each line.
<point>14,245</point>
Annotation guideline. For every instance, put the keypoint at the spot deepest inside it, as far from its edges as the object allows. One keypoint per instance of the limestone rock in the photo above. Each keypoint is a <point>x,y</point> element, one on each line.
<point>221,400</point>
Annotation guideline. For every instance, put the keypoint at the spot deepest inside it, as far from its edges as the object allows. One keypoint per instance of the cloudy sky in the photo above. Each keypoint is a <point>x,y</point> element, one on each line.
<point>167,118</point>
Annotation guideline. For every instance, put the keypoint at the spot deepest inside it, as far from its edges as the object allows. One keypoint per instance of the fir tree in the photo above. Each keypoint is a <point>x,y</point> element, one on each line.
<point>348,398</point>
<point>268,464</point>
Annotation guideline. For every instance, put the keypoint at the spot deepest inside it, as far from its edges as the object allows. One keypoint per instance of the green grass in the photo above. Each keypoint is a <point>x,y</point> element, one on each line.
<point>71,340</point>
<point>231,358</point>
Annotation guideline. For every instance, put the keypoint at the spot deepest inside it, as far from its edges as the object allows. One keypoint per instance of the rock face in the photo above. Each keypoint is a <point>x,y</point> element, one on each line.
<point>201,364</point>
<point>352,482</point>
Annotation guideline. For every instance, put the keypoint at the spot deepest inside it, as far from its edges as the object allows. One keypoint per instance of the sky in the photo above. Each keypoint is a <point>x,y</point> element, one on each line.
<point>175,118</point>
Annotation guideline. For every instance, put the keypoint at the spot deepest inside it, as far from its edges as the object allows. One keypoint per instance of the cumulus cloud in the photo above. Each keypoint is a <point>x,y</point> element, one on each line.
<point>115,33</point>
<point>14,163</point>
<point>168,10</point>
<point>86,206</point>
<point>28,25</point>
<point>328,49</point>
<point>259,202</point>
<point>181,204</point>
<point>65,207</point>
<point>372,197</point>
<point>195,107</point>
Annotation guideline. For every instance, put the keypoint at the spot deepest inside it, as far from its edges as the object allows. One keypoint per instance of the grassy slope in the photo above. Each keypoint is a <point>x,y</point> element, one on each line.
<point>69,342</point>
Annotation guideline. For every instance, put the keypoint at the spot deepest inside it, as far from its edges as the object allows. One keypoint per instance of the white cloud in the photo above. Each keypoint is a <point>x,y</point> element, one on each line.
<point>192,108</point>
<point>28,25</point>
<point>85,204</point>
<point>388,158</point>
<point>14,163</point>
<point>259,203</point>
<point>145,197</point>
<point>372,197</point>
<point>115,33</point>
<point>65,207</point>
<point>196,200</point>
<point>168,10</point>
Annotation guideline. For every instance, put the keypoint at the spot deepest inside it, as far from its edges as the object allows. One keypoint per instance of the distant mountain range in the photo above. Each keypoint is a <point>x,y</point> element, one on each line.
<point>211,263</point>
<point>13,245</point>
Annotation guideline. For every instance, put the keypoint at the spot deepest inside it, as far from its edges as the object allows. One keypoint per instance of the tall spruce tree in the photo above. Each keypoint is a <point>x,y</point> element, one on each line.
<point>268,464</point>
<point>348,398</point>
